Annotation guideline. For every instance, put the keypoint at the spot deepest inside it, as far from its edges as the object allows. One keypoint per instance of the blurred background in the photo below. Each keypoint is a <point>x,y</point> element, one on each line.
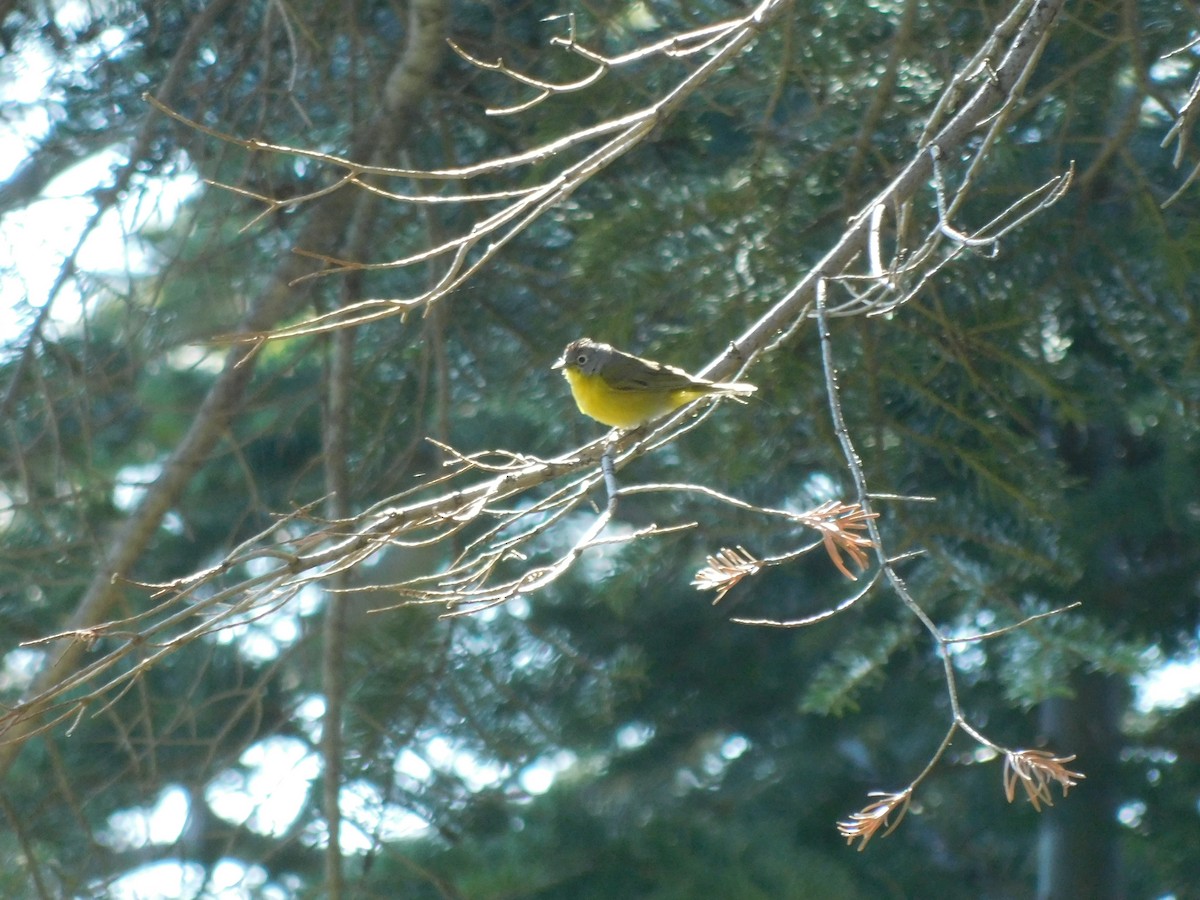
<point>613,735</point>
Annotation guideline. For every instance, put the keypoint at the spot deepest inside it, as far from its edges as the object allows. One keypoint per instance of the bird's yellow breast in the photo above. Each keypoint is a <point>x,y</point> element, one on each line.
<point>622,409</point>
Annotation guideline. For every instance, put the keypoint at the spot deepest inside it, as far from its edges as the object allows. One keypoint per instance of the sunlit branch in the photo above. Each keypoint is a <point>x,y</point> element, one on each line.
<point>1015,215</point>
<point>479,598</point>
<point>628,131</point>
<point>815,617</point>
<point>1008,31</point>
<point>1024,31</point>
<point>544,88</point>
<point>712,493</point>
<point>863,825</point>
<point>683,44</point>
<point>1007,629</point>
<point>1182,128</point>
<point>1034,772</point>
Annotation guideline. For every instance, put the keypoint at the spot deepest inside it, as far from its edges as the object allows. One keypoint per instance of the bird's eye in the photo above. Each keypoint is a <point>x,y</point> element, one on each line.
<point>581,358</point>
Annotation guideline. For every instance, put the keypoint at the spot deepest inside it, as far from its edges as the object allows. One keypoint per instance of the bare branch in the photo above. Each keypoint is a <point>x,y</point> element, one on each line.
<point>805,621</point>
<point>988,635</point>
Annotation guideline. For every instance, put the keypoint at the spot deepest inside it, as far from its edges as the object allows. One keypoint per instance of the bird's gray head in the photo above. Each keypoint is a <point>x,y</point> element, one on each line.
<point>586,355</point>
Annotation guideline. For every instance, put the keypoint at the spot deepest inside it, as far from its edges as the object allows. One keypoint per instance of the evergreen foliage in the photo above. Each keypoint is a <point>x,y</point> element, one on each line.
<point>1028,419</point>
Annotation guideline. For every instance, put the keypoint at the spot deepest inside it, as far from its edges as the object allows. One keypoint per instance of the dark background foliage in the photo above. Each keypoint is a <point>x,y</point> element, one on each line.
<point>1045,394</point>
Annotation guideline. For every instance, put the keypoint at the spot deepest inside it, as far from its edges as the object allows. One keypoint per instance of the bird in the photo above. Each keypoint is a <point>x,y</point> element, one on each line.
<point>625,391</point>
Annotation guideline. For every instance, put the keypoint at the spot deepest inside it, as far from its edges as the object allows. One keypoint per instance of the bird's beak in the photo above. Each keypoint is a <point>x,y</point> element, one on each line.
<point>562,361</point>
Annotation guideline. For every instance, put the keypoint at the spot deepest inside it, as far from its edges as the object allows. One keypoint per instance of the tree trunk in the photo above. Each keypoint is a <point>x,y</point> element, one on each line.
<point>1079,851</point>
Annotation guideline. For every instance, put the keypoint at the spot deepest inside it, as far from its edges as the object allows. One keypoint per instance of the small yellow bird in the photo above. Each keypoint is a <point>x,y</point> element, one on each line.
<point>625,391</point>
